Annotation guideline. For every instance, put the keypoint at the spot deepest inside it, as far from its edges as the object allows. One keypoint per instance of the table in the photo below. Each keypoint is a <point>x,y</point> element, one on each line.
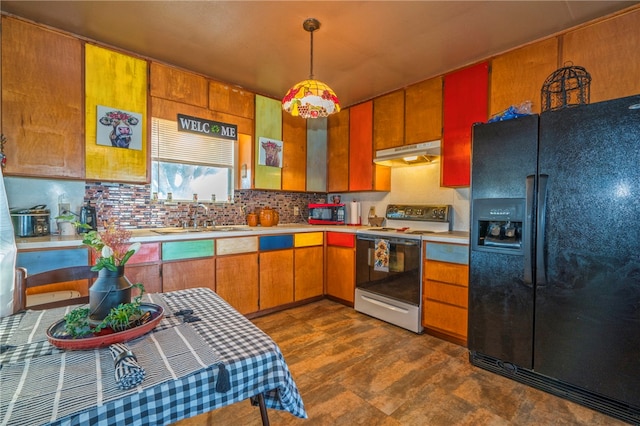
<point>222,339</point>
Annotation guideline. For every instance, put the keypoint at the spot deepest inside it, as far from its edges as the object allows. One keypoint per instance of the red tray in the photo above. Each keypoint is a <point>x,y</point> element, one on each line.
<point>103,340</point>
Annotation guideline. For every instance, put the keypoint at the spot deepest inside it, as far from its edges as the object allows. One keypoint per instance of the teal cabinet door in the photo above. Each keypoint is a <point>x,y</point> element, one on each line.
<point>175,250</point>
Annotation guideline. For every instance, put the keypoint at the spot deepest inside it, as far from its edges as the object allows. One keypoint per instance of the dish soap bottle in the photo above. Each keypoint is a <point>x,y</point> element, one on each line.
<point>88,217</point>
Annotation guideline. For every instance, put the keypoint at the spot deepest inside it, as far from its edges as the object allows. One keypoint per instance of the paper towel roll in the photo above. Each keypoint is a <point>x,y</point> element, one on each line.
<point>354,213</point>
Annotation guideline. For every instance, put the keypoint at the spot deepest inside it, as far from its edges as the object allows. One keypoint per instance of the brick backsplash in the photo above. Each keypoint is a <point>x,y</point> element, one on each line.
<point>130,206</point>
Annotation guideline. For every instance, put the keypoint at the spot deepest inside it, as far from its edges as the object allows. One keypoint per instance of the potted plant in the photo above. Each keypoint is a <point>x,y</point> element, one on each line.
<point>67,223</point>
<point>126,315</point>
<point>112,288</point>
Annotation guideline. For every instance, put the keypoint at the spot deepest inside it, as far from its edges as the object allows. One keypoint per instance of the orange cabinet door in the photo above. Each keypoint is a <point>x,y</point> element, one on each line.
<point>361,147</point>
<point>338,151</point>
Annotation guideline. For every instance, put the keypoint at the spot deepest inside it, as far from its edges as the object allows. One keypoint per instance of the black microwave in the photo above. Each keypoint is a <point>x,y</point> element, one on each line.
<point>327,214</point>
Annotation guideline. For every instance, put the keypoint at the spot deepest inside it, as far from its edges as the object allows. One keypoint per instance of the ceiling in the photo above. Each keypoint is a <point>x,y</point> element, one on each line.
<point>362,49</point>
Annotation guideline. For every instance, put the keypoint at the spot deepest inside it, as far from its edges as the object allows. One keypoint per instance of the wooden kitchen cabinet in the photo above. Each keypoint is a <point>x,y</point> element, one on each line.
<point>150,275</point>
<point>445,290</point>
<point>340,267</point>
<point>237,281</point>
<point>517,76</point>
<point>361,147</point>
<point>145,267</point>
<point>423,111</point>
<point>308,265</point>
<point>188,264</point>
<point>364,175</point>
<point>276,278</point>
<point>37,261</point>
<point>294,156</point>
<point>317,155</point>
<point>119,82</point>
<point>276,270</point>
<point>465,103</point>
<point>388,120</point>
<point>231,99</point>
<point>608,50</point>
<point>177,85</point>
<point>42,102</point>
<point>338,151</point>
<point>268,124</point>
<point>179,275</point>
<point>237,272</point>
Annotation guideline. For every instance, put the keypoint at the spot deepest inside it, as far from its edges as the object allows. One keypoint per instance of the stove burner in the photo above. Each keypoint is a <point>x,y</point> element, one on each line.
<point>402,230</point>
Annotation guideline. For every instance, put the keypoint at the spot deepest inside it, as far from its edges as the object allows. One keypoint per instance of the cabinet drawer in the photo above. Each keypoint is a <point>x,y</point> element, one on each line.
<point>47,260</point>
<point>236,245</point>
<point>276,242</point>
<point>175,250</point>
<point>340,239</point>
<point>445,317</point>
<point>447,293</point>
<point>149,252</point>
<point>308,239</point>
<point>454,253</point>
<point>446,272</point>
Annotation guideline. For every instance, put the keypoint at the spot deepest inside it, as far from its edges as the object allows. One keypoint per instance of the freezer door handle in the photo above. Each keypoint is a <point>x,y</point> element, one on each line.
<point>528,230</point>
<point>541,220</point>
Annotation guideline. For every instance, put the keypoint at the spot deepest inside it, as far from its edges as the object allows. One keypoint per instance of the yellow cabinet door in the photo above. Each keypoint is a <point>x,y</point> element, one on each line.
<point>119,82</point>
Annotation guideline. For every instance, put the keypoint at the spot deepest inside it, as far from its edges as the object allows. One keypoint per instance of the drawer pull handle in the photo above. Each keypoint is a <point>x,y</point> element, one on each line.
<point>385,305</point>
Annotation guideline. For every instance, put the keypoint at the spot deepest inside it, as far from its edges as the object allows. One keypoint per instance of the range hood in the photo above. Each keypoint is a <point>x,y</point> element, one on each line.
<point>408,155</point>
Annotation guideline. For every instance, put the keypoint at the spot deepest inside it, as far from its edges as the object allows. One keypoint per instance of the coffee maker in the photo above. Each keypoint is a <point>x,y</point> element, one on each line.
<point>88,217</point>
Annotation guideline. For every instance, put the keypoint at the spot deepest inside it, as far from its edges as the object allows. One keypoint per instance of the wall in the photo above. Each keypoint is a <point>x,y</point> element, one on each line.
<point>130,205</point>
<point>416,185</point>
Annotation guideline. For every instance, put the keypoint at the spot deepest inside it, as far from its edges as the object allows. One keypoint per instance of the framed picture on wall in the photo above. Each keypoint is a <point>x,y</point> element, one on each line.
<point>119,129</point>
<point>270,153</point>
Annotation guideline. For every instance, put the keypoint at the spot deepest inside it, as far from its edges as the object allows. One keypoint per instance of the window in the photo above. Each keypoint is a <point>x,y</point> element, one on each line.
<point>185,164</point>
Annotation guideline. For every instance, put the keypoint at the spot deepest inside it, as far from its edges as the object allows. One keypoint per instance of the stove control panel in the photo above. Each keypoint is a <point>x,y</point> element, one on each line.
<point>425,213</point>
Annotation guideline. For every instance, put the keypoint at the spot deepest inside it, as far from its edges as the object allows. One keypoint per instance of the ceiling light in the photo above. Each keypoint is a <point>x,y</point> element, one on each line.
<point>311,98</point>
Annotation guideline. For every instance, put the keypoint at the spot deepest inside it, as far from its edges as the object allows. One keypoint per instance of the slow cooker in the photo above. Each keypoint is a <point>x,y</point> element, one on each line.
<point>31,222</point>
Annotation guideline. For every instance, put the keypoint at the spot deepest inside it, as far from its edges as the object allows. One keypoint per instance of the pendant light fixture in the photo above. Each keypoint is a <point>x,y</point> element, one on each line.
<point>311,98</point>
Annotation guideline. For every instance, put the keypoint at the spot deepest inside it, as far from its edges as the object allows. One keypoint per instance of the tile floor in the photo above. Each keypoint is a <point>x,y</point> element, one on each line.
<point>355,370</point>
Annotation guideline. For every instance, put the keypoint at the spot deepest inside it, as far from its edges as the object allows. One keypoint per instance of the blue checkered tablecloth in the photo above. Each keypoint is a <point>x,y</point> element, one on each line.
<point>253,360</point>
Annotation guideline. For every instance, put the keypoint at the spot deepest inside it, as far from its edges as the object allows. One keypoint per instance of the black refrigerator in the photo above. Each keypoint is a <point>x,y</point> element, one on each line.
<point>554,285</point>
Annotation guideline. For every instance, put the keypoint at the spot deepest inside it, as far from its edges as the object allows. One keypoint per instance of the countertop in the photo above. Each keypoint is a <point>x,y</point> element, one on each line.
<point>157,235</point>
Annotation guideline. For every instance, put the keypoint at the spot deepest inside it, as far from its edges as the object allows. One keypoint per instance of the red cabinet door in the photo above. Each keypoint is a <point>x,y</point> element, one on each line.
<point>465,103</point>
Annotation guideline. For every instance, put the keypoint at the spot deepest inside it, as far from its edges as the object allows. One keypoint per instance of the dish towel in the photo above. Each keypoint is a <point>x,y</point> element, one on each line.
<point>128,372</point>
<point>381,255</point>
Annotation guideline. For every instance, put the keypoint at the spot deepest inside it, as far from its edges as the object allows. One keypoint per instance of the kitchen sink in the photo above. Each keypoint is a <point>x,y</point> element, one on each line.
<point>165,231</point>
<point>229,228</point>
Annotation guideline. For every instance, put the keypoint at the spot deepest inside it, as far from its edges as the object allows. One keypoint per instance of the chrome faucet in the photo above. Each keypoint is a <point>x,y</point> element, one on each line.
<point>195,214</point>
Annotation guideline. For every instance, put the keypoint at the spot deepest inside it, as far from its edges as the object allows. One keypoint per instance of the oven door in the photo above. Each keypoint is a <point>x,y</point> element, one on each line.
<point>388,279</point>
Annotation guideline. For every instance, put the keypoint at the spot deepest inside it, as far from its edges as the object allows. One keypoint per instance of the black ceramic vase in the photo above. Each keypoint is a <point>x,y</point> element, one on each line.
<point>110,289</point>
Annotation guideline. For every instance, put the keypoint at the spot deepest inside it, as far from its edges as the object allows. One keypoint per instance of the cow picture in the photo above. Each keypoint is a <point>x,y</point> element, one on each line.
<point>119,129</point>
<point>270,153</point>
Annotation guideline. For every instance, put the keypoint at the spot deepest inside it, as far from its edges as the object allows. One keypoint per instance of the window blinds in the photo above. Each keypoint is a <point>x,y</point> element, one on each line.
<point>170,145</point>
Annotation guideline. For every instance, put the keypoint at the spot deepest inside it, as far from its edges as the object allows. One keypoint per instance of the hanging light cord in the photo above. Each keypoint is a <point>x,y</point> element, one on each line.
<point>311,66</point>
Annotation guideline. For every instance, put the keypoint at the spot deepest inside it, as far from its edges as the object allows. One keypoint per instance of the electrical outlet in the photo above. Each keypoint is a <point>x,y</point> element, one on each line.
<point>296,210</point>
<point>64,208</point>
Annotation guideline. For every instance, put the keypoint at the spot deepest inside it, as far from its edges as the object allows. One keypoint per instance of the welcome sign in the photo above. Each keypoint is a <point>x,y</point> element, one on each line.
<point>206,127</point>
